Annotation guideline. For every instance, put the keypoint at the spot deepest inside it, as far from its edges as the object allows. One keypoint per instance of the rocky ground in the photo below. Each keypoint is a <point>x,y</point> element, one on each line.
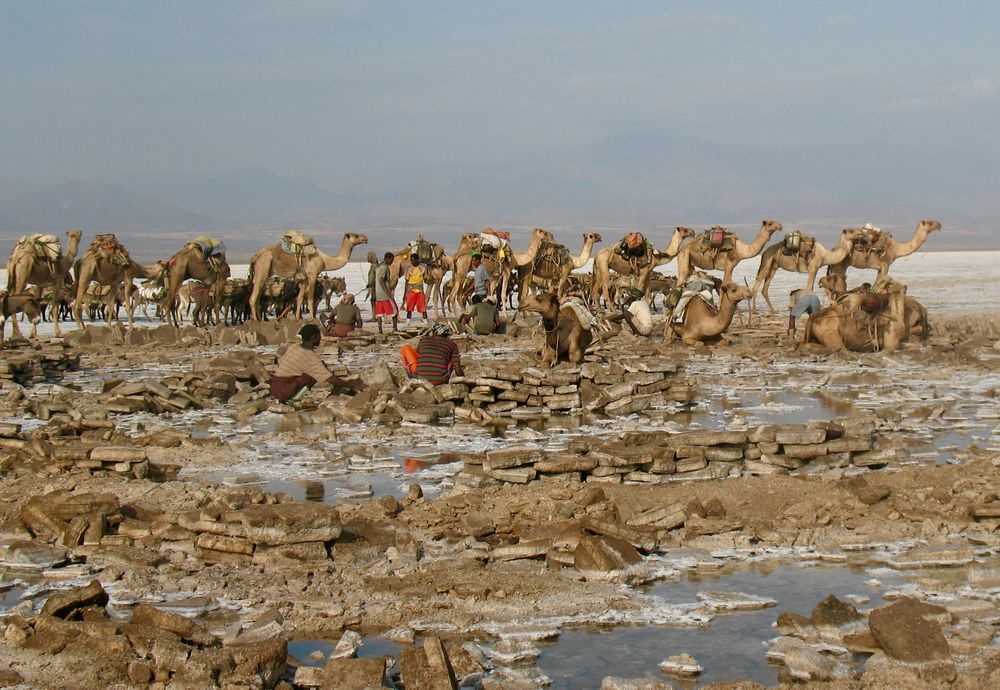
<point>124,566</point>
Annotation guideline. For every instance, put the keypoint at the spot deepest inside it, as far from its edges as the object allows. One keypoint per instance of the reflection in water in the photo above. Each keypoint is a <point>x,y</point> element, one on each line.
<point>315,491</point>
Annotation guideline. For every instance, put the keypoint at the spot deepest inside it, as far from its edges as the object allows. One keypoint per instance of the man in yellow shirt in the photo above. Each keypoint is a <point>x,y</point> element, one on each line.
<point>415,299</point>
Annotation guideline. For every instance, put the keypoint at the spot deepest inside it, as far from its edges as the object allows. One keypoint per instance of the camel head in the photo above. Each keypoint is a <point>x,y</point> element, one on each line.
<point>930,225</point>
<point>735,292</point>
<point>685,233</point>
<point>852,234</point>
<point>544,303</point>
<point>74,234</point>
<point>543,235</point>
<point>595,237</point>
<point>355,238</point>
<point>833,284</point>
<point>160,271</point>
<point>470,241</point>
<point>771,226</point>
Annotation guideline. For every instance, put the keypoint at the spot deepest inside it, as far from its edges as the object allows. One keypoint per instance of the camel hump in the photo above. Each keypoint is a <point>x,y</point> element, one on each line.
<point>106,246</point>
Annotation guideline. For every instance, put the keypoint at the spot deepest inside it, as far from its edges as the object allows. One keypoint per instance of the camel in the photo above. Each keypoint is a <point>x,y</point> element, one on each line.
<point>915,315</point>
<point>694,254</point>
<point>499,271</point>
<point>890,251</point>
<point>554,264</point>
<point>190,262</point>
<point>703,323</point>
<point>566,337</point>
<point>862,321</point>
<point>818,256</point>
<point>276,261</point>
<point>24,268</point>
<point>610,260</point>
<point>11,306</point>
<point>96,266</point>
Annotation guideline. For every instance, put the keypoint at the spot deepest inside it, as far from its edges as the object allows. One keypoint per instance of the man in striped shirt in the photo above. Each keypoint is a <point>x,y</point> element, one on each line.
<point>438,356</point>
<point>300,368</point>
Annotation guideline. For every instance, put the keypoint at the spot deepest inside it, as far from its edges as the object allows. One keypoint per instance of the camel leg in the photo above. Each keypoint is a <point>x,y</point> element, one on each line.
<point>82,281</point>
<point>57,289</point>
<point>129,288</point>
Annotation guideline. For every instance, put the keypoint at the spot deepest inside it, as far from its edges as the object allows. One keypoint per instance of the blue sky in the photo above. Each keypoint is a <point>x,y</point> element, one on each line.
<point>321,89</point>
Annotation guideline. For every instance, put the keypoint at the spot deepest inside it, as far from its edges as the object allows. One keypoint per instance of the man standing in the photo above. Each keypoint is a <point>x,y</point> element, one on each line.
<point>415,298</point>
<point>438,356</point>
<point>300,368</point>
<point>385,305</point>
<point>370,285</point>
<point>480,276</point>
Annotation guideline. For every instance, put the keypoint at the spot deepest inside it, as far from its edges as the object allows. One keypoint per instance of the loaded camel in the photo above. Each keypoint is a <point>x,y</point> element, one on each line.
<point>11,306</point>
<point>566,337</point>
<point>862,321</point>
<point>608,260</point>
<point>276,261</point>
<point>24,268</point>
<point>499,271</point>
<point>774,258</point>
<point>190,262</point>
<point>915,316</point>
<point>702,323</point>
<point>97,266</point>
<point>890,251</point>
<point>693,254</point>
<point>554,264</point>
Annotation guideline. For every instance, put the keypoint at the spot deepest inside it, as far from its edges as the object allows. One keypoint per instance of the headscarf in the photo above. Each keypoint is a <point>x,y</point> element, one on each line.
<point>348,298</point>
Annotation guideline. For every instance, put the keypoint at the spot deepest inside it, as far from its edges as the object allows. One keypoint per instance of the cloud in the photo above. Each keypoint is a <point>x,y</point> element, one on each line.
<point>951,97</point>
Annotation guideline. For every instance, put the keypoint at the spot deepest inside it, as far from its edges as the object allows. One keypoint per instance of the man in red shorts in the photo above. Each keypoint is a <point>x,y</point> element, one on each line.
<point>416,298</point>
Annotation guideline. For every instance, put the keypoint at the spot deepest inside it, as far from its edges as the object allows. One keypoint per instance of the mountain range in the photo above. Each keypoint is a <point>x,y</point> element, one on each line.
<point>635,180</point>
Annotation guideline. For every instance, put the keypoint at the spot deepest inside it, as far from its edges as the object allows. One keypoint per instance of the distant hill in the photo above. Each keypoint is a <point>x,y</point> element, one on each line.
<point>635,180</point>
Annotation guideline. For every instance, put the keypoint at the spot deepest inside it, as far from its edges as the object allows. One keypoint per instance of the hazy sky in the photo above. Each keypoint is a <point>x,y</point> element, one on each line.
<point>320,89</point>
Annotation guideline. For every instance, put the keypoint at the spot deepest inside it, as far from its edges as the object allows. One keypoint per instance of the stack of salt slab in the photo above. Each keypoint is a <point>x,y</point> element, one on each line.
<point>28,366</point>
<point>614,389</point>
<point>655,457</point>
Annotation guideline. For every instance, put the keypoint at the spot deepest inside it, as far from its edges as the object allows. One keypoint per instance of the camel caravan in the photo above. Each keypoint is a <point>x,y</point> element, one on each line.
<point>46,279</point>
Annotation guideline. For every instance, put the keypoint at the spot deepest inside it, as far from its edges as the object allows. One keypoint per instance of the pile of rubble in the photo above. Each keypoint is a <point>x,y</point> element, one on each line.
<point>918,640</point>
<point>154,646</point>
<point>30,366</point>
<point>655,457</point>
<point>239,376</point>
<point>72,442</point>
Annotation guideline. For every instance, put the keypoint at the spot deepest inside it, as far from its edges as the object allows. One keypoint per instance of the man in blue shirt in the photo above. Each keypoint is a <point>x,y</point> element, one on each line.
<point>480,276</point>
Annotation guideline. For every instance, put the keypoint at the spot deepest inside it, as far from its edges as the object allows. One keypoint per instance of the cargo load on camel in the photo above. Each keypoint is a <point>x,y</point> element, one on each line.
<point>108,247</point>
<point>43,246</point>
<point>798,244</point>
<point>718,239</point>
<point>495,243</point>
<point>212,250</point>
<point>873,241</point>
<point>424,251</point>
